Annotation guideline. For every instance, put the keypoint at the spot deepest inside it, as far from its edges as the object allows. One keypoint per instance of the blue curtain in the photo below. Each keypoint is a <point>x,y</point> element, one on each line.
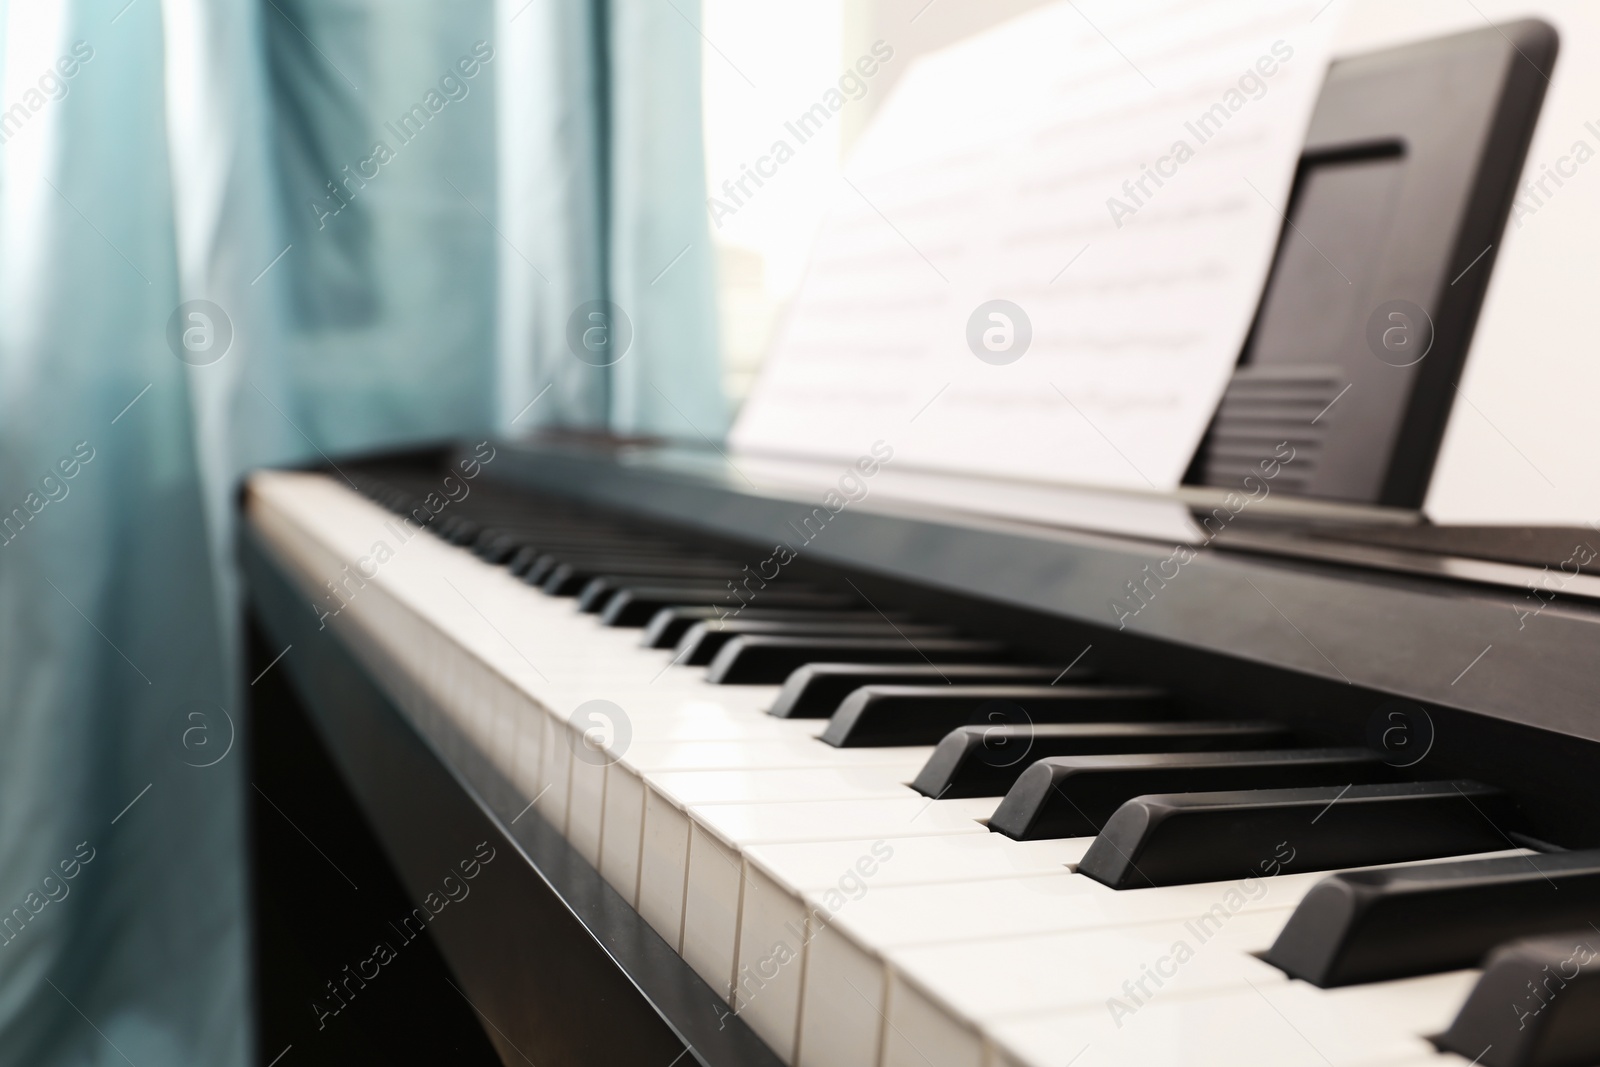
<point>236,233</point>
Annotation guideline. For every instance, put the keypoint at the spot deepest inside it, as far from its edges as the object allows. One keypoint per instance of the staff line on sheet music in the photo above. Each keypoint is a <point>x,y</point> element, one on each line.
<point>496,229</point>
<point>702,434</point>
<point>1290,223</point>
<point>713,45</point>
<point>495,628</point>
<point>1113,45</point>
<point>1299,631</point>
<point>1103,436</point>
<point>895,228</point>
<point>1502,434</point>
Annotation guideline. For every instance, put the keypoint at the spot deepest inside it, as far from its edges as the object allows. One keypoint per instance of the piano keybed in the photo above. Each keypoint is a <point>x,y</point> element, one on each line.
<point>909,858</point>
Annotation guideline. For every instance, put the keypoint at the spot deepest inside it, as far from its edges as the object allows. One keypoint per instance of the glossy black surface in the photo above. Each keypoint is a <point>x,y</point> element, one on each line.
<point>1179,838</point>
<point>1369,926</point>
<point>1074,796</point>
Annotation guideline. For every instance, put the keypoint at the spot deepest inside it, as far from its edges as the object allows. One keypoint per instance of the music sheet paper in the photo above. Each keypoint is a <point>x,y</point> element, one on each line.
<point>1116,171</point>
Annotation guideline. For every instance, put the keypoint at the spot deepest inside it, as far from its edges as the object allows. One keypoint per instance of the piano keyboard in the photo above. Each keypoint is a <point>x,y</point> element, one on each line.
<point>845,821</point>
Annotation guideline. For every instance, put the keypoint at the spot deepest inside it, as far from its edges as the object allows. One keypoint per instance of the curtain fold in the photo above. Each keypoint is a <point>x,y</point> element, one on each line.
<point>120,870</point>
<point>236,233</point>
<point>662,265</point>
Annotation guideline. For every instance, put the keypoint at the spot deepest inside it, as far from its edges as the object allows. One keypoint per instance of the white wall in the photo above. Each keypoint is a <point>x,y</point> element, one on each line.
<point>1524,446</point>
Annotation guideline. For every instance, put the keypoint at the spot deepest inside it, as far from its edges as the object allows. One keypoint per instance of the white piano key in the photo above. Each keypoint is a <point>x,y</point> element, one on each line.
<point>663,867</point>
<point>1139,966</point>
<point>1289,1024</point>
<point>555,772</point>
<point>773,913</point>
<point>664,836</point>
<point>952,917</point>
<point>621,847</point>
<point>720,832</point>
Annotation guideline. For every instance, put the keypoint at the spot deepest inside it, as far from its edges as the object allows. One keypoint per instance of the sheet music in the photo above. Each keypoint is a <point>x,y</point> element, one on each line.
<point>1117,171</point>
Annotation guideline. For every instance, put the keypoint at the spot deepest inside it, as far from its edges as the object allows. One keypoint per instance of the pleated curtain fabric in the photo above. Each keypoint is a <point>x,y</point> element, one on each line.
<point>247,232</point>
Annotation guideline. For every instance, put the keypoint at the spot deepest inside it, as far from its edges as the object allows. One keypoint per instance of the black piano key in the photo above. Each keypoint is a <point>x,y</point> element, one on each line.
<point>596,595</point>
<point>883,715</point>
<point>570,578</point>
<point>1180,838</point>
<point>704,640</point>
<point>1370,926</point>
<point>642,605</point>
<point>616,561</point>
<point>501,546</point>
<point>984,761</point>
<point>816,690</point>
<point>1551,986</point>
<point>769,660</point>
<point>667,625</point>
<point>1073,796</point>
